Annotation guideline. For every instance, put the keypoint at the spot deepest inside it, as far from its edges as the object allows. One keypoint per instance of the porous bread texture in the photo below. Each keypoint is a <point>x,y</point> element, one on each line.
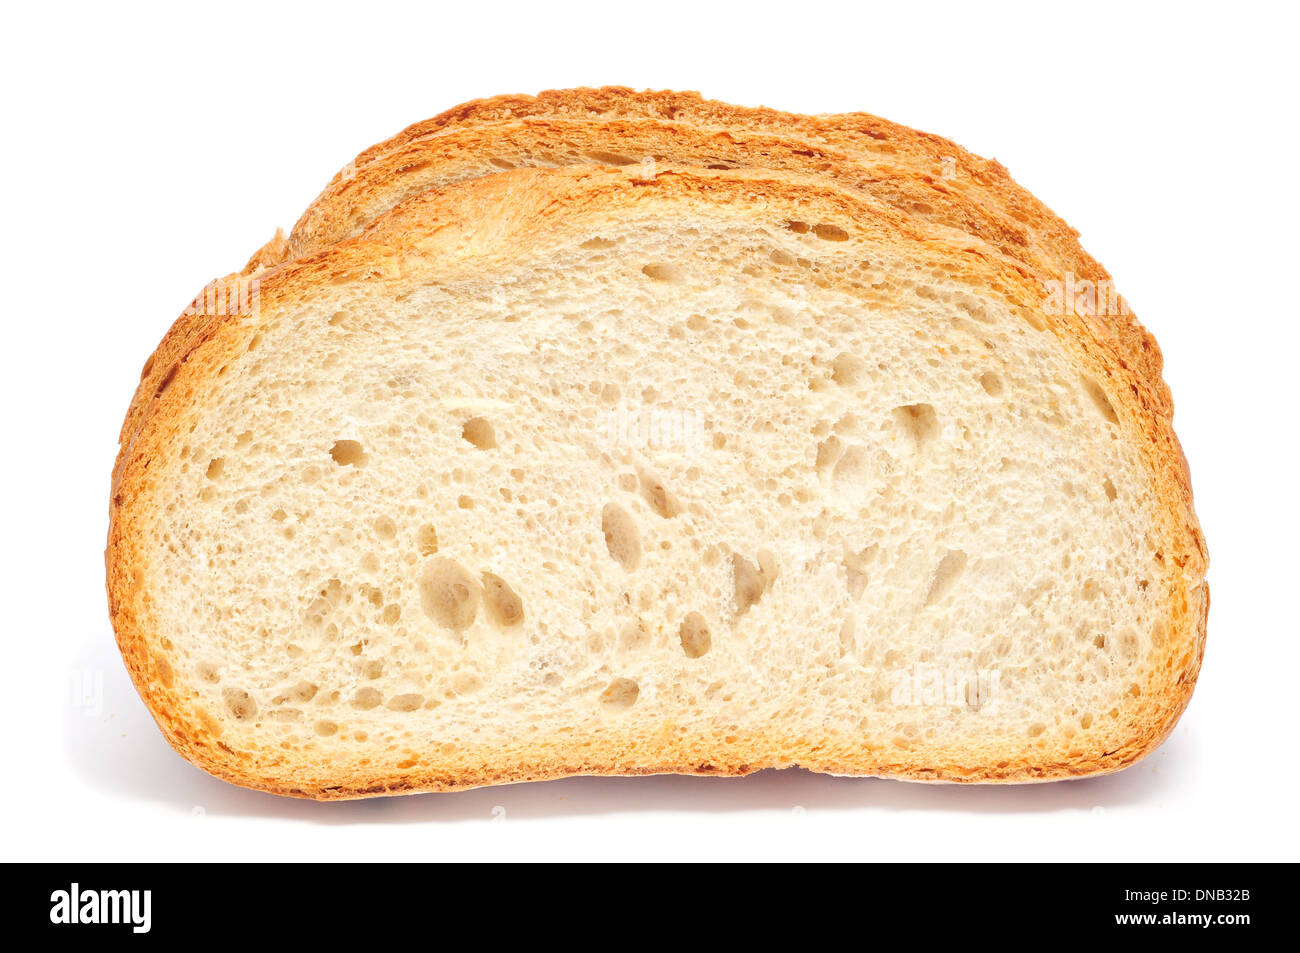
<point>389,536</point>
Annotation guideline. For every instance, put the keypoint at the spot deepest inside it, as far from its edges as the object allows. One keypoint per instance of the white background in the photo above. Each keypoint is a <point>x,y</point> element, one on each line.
<point>147,152</point>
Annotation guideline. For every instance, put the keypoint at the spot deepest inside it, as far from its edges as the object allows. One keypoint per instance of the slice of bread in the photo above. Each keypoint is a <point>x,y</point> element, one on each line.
<point>583,471</point>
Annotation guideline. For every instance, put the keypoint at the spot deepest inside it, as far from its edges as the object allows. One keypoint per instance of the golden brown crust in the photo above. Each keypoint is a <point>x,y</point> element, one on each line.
<point>458,154</point>
<point>428,238</point>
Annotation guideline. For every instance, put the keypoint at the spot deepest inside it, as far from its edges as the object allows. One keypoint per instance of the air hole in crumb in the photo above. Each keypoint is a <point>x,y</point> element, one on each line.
<point>694,634</point>
<point>426,538</point>
<point>449,595</point>
<point>945,575</point>
<point>239,704</point>
<point>1109,487</point>
<point>348,453</point>
<point>215,468</point>
<point>407,702</point>
<point>919,421</point>
<point>622,537</point>
<point>847,370</point>
<point>366,698</point>
<point>661,272</point>
<point>1100,400</point>
<point>991,383</point>
<point>166,380</point>
<point>326,728</point>
<point>656,494</point>
<point>503,603</point>
<point>164,670</point>
<point>830,233</point>
<point>750,582</point>
<point>828,452</point>
<point>853,467</point>
<point>609,158</point>
<point>620,694</point>
<point>385,527</point>
<point>479,432</point>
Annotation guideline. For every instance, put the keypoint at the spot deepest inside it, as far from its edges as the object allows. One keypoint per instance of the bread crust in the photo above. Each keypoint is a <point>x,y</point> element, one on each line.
<point>462,153</point>
<point>447,232</point>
